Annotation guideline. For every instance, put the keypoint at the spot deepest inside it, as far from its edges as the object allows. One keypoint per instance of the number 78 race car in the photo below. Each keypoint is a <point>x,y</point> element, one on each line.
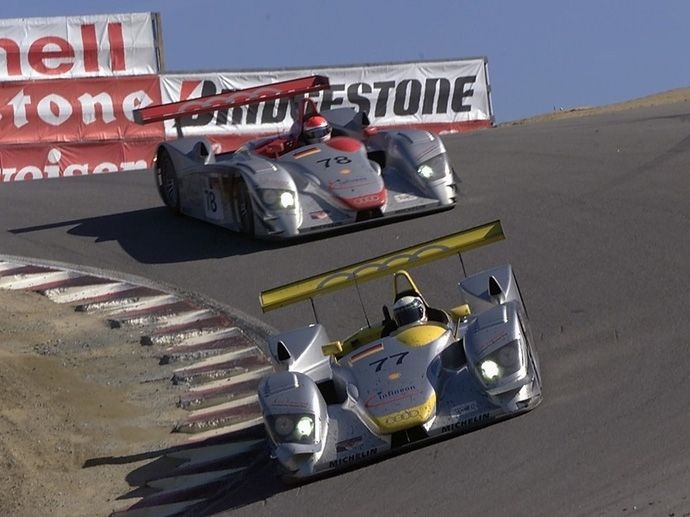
<point>422,374</point>
<point>331,170</point>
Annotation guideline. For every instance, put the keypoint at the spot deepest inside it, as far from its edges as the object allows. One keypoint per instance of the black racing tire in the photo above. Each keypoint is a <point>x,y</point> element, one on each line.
<point>166,181</point>
<point>244,208</point>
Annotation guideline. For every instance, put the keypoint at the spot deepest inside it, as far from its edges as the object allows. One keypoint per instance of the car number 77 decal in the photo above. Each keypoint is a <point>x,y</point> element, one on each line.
<point>380,362</point>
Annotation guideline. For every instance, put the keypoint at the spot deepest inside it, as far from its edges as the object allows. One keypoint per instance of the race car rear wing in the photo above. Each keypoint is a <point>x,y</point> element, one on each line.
<point>227,100</point>
<point>380,266</point>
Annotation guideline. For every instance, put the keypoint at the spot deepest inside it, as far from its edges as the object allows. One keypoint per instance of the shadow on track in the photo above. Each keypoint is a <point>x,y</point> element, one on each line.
<point>155,236</point>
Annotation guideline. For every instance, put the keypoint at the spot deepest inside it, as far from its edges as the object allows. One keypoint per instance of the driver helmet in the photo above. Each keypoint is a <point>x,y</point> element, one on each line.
<point>409,309</point>
<point>316,129</point>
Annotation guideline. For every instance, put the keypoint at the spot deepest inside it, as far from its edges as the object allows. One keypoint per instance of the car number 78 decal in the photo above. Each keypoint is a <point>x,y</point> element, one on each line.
<point>340,160</point>
<point>213,202</point>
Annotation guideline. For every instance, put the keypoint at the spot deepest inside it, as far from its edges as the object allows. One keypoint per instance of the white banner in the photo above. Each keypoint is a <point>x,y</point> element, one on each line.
<point>80,46</point>
<point>442,95</point>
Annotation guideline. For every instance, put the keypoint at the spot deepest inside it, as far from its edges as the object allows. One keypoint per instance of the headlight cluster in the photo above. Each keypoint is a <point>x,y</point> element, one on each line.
<point>436,168</point>
<point>276,198</point>
<point>501,363</point>
<point>293,427</point>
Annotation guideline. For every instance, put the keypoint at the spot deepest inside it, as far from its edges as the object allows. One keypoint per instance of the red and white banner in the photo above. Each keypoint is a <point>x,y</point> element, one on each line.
<point>57,160</point>
<point>68,127</point>
<point>89,109</point>
<point>80,46</point>
<point>443,96</point>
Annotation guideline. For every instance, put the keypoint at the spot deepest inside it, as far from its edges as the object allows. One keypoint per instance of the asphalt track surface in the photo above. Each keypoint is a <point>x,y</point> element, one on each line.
<point>596,211</point>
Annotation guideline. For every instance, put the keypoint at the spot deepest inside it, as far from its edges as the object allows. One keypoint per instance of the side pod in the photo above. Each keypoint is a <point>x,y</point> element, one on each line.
<point>488,288</point>
<point>300,350</point>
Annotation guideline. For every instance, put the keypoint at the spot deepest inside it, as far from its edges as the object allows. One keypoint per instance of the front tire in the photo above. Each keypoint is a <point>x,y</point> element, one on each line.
<point>166,181</point>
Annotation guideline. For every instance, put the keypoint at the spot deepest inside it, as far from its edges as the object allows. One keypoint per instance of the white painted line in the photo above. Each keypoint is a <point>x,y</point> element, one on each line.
<point>244,401</point>
<point>186,317</point>
<point>6,266</point>
<point>141,303</point>
<point>22,281</point>
<point>166,321</point>
<point>229,429</point>
<point>214,335</point>
<point>217,359</point>
<point>235,379</point>
<point>77,293</point>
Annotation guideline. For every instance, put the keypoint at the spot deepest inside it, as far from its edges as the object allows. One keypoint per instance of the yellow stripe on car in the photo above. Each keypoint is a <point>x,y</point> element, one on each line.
<point>420,335</point>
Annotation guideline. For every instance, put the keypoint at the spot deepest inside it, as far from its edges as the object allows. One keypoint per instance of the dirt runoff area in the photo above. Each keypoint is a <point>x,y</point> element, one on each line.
<point>80,410</point>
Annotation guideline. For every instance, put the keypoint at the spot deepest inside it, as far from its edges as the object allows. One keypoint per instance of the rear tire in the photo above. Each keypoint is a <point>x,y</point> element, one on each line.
<point>244,209</point>
<point>166,181</point>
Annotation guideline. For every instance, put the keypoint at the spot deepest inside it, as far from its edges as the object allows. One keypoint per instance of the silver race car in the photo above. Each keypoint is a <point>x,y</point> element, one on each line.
<point>421,374</point>
<point>332,169</point>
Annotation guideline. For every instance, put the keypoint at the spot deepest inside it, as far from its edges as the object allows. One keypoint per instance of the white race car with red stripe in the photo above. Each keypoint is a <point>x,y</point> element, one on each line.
<point>283,186</point>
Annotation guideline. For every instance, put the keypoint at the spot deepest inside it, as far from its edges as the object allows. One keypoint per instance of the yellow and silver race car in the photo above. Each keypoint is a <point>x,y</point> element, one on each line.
<point>424,372</point>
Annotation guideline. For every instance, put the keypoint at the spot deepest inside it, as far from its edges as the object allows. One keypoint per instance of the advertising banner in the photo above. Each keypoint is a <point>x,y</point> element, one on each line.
<point>57,160</point>
<point>80,46</point>
<point>64,110</point>
<point>442,96</point>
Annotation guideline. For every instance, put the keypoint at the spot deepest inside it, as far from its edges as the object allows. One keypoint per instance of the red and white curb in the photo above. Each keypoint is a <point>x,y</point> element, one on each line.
<point>216,356</point>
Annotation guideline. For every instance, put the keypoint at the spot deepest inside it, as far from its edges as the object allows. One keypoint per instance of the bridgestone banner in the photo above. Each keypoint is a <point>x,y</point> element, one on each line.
<point>92,109</point>
<point>443,96</point>
<point>80,46</point>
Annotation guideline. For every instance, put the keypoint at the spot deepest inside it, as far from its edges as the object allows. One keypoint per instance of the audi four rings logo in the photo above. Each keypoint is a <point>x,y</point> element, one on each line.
<point>365,200</point>
<point>406,257</point>
<point>401,416</point>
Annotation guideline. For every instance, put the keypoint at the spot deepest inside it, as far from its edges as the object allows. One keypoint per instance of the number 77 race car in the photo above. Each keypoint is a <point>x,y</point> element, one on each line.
<point>331,170</point>
<point>422,374</point>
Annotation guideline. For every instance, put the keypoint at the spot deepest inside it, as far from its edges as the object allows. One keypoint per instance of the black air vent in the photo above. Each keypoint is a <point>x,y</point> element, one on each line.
<point>494,287</point>
<point>283,352</point>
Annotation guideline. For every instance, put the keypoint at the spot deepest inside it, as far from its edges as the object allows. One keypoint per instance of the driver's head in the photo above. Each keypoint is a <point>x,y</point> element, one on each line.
<point>409,309</point>
<point>316,129</point>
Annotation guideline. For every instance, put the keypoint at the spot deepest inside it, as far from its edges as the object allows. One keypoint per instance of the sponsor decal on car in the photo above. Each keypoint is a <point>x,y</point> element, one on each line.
<point>307,152</point>
<point>213,200</point>
<point>463,409</point>
<point>366,353</point>
<point>350,458</point>
<point>346,445</point>
<point>318,215</point>
<point>467,423</point>
<point>385,397</point>
<point>405,198</point>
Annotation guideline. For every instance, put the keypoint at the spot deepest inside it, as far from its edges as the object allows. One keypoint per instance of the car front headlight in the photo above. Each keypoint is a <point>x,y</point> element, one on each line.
<point>434,169</point>
<point>277,199</point>
<point>501,364</point>
<point>293,428</point>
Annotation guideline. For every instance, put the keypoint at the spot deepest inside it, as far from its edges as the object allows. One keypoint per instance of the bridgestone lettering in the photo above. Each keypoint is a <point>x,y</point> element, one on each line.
<point>410,97</point>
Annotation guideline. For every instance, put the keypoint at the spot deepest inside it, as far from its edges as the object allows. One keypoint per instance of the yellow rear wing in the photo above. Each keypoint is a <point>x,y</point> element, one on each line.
<point>380,266</point>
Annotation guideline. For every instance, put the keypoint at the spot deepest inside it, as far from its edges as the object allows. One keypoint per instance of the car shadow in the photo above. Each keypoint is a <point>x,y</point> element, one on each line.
<point>156,236</point>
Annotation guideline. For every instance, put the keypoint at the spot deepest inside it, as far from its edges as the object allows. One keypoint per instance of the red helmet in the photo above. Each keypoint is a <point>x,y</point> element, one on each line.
<point>316,129</point>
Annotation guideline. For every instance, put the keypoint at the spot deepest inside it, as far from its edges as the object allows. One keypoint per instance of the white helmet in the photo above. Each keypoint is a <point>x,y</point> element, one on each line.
<point>316,129</point>
<point>409,309</point>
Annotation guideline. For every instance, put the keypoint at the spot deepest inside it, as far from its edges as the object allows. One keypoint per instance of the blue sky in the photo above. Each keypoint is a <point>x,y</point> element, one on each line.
<point>543,54</point>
